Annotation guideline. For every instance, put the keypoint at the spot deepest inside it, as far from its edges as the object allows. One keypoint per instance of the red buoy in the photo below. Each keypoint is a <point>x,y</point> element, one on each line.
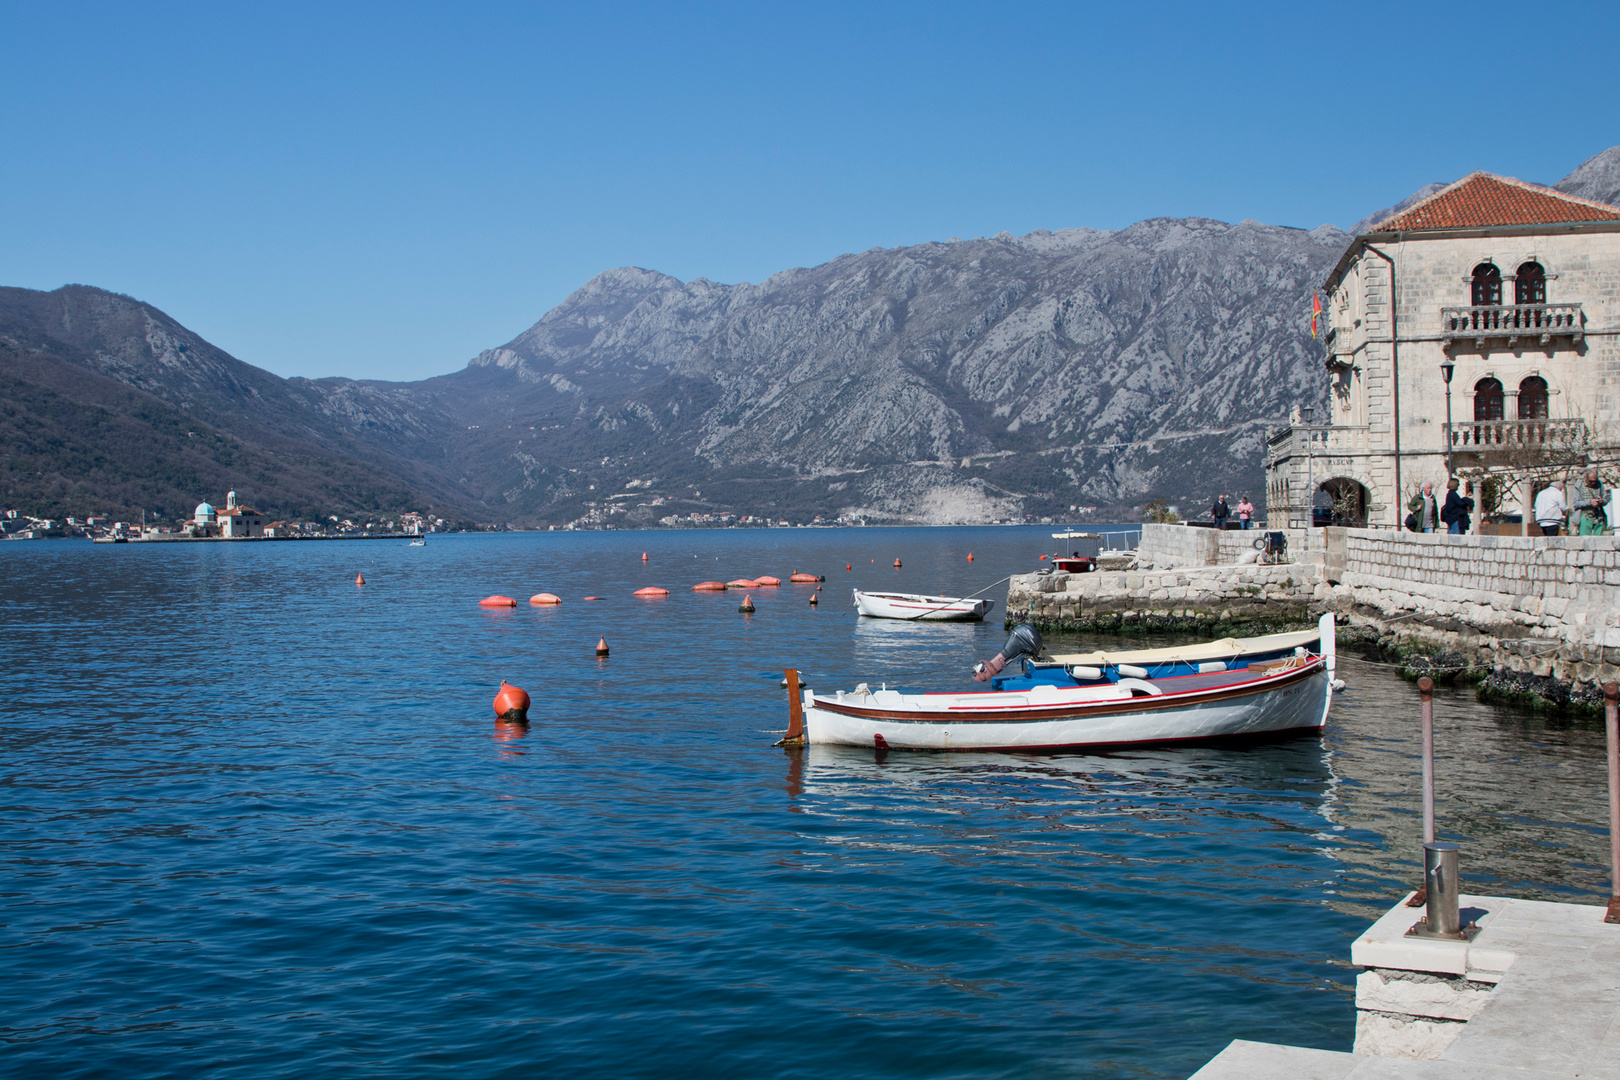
<point>601,646</point>
<point>593,598</point>
<point>651,591</point>
<point>747,606</point>
<point>709,586</point>
<point>970,556</point>
<point>897,564</point>
<point>497,601</point>
<point>1043,558</point>
<point>359,579</point>
<point>768,582</point>
<point>643,556</point>
<point>815,598</point>
<point>511,702</point>
<point>545,598</point>
<point>848,567</point>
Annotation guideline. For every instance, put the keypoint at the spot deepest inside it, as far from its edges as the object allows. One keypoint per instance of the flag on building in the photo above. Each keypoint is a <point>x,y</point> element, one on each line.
<point>1316,310</point>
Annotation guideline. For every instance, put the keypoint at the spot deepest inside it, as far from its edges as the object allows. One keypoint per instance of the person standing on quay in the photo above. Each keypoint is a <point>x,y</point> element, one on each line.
<point>1551,510</point>
<point>1424,512</point>
<point>1590,498</point>
<point>1245,511</point>
<point>1220,512</point>
<point>1458,507</point>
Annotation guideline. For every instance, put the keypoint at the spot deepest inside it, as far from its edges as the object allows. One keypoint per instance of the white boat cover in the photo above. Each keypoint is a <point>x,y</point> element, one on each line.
<point>1224,649</point>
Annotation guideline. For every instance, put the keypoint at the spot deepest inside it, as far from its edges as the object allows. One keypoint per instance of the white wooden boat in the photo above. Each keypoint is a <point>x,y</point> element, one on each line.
<point>920,608</point>
<point>1286,695</point>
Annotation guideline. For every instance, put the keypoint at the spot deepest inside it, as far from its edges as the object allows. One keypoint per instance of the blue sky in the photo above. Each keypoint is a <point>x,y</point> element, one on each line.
<point>382,191</point>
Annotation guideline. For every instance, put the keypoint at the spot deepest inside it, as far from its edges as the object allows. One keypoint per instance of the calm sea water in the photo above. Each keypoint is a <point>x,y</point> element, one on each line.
<point>258,821</point>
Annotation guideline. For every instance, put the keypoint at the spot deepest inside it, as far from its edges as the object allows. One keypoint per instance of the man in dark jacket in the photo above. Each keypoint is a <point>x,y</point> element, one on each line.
<point>1220,512</point>
<point>1458,507</point>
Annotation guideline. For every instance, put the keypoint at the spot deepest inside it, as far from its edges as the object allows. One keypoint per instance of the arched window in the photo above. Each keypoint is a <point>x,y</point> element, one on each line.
<point>1488,399</point>
<point>1533,398</point>
<point>1487,285</point>
<point>1530,285</point>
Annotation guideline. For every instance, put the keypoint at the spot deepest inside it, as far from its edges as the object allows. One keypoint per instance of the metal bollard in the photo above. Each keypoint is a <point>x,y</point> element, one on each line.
<point>1440,881</point>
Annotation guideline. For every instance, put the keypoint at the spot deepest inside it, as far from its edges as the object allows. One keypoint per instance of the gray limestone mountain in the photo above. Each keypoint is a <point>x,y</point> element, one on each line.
<point>961,381</point>
<point>1598,177</point>
<point>958,381</point>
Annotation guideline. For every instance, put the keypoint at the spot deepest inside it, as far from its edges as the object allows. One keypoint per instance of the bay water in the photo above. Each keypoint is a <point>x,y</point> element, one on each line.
<point>257,820</point>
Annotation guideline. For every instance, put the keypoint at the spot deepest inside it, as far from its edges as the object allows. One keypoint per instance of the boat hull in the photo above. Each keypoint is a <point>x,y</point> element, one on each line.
<point>1289,701</point>
<point>918,608</point>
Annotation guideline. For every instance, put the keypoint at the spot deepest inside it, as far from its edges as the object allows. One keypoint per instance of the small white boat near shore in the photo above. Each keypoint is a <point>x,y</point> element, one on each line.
<point>919,608</point>
<point>1288,695</point>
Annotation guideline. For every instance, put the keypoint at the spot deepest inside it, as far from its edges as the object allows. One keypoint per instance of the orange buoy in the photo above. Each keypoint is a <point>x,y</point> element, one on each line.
<point>511,702</point>
<point>768,582</point>
<point>815,598</point>
<point>651,591</point>
<point>747,606</point>
<point>643,556</point>
<point>592,598</point>
<point>545,598</point>
<point>709,586</point>
<point>742,583</point>
<point>970,556</point>
<point>848,567</point>
<point>897,564</point>
<point>1043,558</point>
<point>804,579</point>
<point>359,579</point>
<point>497,601</point>
<point>601,646</point>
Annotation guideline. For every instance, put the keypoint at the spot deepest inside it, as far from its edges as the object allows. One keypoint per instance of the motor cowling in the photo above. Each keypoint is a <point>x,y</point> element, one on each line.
<point>1024,641</point>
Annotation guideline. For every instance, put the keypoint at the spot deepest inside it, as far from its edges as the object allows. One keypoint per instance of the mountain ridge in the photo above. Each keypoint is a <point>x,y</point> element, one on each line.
<point>959,380</point>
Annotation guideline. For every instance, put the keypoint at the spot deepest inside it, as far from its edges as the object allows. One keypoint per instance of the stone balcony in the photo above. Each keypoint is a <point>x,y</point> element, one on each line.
<point>1540,321</point>
<point>1534,438</point>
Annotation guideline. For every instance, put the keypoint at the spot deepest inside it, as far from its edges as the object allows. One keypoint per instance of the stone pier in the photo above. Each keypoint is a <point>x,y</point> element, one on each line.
<point>1535,995</point>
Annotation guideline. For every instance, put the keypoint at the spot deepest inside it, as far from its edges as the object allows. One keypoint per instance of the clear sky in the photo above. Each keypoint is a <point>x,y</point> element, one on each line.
<point>383,191</point>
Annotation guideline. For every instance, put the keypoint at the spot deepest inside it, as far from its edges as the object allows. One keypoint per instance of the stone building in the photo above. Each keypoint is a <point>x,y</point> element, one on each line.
<point>237,520</point>
<point>1475,333</point>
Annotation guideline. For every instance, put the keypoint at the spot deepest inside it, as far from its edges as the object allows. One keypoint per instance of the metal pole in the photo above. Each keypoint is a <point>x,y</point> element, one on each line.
<point>1426,692</point>
<point>1611,728</point>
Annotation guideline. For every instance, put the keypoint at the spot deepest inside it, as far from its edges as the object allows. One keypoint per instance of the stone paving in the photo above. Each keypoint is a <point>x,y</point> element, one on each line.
<point>1535,996</point>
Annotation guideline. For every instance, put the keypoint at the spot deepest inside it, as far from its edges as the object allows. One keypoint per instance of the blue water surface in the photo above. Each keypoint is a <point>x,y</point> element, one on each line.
<point>259,821</point>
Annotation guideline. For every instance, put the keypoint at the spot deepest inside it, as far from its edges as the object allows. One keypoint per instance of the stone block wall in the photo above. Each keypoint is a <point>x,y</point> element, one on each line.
<point>1540,605</point>
<point>1247,599</point>
<point>1170,546</point>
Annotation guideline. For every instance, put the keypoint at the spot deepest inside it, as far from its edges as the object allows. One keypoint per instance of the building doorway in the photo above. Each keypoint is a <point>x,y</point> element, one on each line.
<point>1340,501</point>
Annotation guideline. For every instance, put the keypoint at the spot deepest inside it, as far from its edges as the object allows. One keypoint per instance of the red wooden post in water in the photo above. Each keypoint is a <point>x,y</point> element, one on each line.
<point>795,731</point>
<point>1611,728</point>
<point>1426,694</point>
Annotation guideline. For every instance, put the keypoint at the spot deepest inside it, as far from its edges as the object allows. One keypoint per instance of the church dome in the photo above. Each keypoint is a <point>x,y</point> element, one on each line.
<point>204,512</point>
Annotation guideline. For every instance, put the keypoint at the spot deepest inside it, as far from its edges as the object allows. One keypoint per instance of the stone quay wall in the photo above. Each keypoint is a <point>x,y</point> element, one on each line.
<point>1542,614</point>
<point>1254,598</point>
<point>1543,606</point>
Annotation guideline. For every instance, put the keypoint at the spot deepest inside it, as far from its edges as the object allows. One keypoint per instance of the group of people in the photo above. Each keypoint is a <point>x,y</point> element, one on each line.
<point>1589,509</point>
<point>1587,514</point>
<point>1221,514</point>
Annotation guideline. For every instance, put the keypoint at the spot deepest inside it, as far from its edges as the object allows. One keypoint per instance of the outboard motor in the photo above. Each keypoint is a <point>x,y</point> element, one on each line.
<point>1024,641</point>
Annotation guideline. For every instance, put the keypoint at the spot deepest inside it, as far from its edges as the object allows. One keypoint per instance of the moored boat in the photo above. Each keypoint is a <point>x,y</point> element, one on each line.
<point>920,608</point>
<point>1291,694</point>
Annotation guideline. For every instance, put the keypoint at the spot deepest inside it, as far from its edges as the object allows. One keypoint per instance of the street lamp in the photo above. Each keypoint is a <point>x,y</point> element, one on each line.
<point>1447,366</point>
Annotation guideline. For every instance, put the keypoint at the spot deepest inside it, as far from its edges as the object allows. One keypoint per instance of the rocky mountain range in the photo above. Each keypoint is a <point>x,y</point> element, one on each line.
<point>965,380</point>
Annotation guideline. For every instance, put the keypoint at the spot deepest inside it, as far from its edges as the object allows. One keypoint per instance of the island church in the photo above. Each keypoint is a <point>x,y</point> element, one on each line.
<point>1475,333</point>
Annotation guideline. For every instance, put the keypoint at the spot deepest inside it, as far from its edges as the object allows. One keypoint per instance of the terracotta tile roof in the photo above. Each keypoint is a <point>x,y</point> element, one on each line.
<point>237,511</point>
<point>1481,200</point>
